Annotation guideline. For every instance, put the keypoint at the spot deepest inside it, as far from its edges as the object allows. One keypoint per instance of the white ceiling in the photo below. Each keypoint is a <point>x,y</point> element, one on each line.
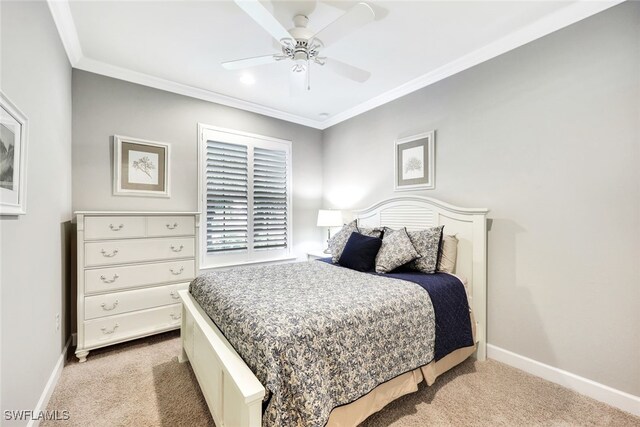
<point>179,45</point>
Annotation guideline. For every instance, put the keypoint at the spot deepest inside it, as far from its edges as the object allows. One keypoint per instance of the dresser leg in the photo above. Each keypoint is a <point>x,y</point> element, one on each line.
<point>82,355</point>
<point>183,356</point>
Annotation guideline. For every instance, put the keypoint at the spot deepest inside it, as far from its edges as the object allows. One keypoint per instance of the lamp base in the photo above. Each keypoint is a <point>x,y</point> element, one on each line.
<point>326,250</point>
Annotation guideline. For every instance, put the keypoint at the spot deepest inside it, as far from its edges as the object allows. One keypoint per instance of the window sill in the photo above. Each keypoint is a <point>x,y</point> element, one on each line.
<point>241,264</point>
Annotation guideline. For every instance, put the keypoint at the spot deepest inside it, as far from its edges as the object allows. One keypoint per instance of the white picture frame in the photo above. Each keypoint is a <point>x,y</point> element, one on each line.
<point>140,167</point>
<point>13,158</point>
<point>414,162</point>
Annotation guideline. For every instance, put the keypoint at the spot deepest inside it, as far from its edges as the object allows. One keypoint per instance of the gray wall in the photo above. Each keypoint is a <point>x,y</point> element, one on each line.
<point>103,106</point>
<point>36,76</point>
<point>548,137</point>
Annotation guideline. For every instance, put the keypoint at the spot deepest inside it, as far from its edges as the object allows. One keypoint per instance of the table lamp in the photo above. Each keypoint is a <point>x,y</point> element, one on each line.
<point>329,218</point>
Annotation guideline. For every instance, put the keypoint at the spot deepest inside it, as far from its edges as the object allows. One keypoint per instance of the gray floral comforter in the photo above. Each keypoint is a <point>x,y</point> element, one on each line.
<point>318,336</point>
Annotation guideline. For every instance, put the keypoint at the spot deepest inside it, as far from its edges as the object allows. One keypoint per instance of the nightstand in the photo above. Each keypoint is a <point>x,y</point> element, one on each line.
<point>312,255</point>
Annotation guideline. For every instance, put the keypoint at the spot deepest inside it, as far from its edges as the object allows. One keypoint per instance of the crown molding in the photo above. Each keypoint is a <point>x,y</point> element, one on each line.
<point>63,19</point>
<point>98,67</point>
<point>564,17</point>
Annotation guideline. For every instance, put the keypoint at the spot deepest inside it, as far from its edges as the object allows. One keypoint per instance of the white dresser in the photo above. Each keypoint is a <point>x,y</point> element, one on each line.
<point>131,266</point>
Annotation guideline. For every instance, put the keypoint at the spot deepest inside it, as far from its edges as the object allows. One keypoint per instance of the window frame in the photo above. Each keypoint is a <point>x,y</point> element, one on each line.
<point>250,256</point>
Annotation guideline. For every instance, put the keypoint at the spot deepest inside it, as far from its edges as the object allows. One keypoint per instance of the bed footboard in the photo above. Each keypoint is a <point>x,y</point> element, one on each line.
<point>232,392</point>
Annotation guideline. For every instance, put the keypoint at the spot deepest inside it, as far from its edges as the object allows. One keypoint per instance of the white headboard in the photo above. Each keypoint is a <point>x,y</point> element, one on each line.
<point>468,224</point>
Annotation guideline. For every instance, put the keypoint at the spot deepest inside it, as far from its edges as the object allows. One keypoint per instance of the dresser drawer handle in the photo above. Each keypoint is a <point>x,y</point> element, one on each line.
<point>105,280</point>
<point>111,255</point>
<point>116,227</point>
<point>109,332</point>
<point>175,316</point>
<point>177,273</point>
<point>172,227</point>
<point>174,249</point>
<point>174,295</point>
<point>105,308</point>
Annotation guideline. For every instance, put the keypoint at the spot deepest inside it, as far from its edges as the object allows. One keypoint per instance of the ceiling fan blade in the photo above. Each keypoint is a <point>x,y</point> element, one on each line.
<point>349,71</point>
<point>264,18</point>
<point>356,17</point>
<point>239,64</point>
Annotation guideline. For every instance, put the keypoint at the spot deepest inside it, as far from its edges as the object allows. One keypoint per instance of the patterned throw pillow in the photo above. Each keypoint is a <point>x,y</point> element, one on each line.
<point>371,232</point>
<point>339,240</point>
<point>427,243</point>
<point>396,250</point>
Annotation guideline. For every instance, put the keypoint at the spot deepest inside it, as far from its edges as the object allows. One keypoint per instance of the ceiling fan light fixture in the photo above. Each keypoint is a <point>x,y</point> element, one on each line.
<point>300,55</point>
<point>300,65</point>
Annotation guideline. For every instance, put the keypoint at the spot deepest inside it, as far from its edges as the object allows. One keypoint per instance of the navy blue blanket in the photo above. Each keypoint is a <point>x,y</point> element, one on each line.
<point>450,305</point>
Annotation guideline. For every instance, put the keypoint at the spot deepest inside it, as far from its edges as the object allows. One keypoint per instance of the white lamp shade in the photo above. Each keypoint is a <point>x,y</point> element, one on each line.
<point>329,218</point>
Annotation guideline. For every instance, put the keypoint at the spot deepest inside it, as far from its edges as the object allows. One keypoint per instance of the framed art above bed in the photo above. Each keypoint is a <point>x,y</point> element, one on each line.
<point>414,161</point>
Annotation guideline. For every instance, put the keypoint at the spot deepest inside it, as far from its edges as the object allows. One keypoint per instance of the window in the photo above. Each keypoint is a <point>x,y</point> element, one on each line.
<point>246,197</point>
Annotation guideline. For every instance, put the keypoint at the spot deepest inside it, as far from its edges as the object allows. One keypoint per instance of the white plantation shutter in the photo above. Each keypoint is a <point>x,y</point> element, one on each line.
<point>227,197</point>
<point>269,198</point>
<point>246,195</point>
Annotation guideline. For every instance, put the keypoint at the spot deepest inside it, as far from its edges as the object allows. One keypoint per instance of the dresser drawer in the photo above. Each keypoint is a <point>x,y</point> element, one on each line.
<point>128,251</point>
<point>158,226</point>
<point>105,330</point>
<point>113,227</point>
<point>127,301</point>
<point>134,276</point>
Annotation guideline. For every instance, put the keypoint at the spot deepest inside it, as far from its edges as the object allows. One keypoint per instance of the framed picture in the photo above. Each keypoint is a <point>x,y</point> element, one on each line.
<point>13,159</point>
<point>140,167</point>
<point>415,162</point>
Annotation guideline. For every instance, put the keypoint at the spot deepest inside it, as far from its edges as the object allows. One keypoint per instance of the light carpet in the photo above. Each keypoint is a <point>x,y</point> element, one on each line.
<point>141,383</point>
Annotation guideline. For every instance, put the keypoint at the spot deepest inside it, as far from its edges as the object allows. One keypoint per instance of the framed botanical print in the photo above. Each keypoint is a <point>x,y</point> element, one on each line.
<point>13,159</point>
<point>415,162</point>
<point>140,167</point>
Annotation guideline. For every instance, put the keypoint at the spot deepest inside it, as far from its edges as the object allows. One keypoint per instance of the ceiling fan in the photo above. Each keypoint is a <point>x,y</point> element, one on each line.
<point>302,46</point>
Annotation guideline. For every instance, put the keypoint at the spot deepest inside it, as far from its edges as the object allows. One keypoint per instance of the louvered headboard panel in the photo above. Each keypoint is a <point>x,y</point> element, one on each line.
<point>467,224</point>
<point>412,217</point>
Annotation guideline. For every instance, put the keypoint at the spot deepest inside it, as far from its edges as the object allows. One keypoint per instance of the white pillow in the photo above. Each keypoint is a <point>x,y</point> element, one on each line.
<point>449,252</point>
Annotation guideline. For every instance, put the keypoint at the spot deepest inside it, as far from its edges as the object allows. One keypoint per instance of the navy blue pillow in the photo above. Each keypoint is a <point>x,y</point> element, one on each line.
<point>360,252</point>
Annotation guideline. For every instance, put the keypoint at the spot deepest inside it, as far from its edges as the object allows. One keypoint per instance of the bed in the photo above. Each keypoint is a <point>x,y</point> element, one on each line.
<point>322,359</point>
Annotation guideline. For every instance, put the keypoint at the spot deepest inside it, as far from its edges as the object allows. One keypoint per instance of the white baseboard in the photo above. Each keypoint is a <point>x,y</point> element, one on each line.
<point>619,399</point>
<point>51,385</point>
